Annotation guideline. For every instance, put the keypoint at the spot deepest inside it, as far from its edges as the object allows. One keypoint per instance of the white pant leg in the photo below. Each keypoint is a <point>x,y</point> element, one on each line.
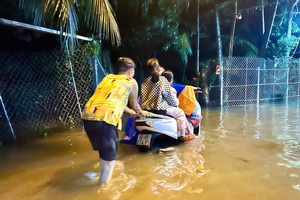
<point>106,168</point>
<point>179,115</point>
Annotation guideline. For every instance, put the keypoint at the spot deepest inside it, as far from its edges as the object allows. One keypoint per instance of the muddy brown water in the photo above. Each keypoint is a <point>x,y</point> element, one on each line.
<point>243,153</point>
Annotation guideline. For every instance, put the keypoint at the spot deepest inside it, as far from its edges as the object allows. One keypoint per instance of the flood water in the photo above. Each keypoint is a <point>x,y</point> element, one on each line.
<point>243,153</point>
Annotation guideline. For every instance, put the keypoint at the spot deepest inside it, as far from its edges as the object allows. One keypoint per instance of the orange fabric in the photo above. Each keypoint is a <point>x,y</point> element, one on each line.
<point>187,100</point>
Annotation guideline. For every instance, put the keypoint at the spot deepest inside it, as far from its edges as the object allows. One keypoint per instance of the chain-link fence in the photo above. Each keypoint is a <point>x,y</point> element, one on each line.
<point>244,81</point>
<point>43,90</point>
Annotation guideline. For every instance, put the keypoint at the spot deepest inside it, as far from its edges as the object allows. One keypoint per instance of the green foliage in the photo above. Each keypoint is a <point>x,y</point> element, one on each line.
<point>252,49</point>
<point>44,129</point>
<point>183,47</point>
<point>207,76</point>
<point>278,49</point>
<point>281,45</point>
<point>64,16</point>
<point>242,47</point>
<point>93,48</point>
<point>159,25</point>
<point>194,82</point>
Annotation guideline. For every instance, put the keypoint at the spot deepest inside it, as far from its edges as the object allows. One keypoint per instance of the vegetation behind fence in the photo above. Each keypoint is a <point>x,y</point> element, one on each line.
<point>38,91</point>
<point>245,81</point>
<point>45,90</point>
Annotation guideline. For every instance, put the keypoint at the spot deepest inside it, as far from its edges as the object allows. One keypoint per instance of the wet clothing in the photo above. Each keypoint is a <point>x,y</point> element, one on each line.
<point>157,96</point>
<point>103,137</point>
<point>177,113</point>
<point>109,100</point>
<point>102,113</point>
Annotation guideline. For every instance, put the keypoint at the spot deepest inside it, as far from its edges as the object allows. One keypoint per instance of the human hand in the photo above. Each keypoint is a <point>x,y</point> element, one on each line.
<point>197,90</point>
<point>142,114</point>
<point>132,113</point>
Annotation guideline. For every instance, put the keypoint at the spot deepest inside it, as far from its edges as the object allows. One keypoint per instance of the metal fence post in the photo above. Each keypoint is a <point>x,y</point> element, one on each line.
<point>246,82</point>
<point>287,83</point>
<point>258,88</point>
<point>73,79</point>
<point>103,71</point>
<point>298,95</point>
<point>274,83</point>
<point>222,85</point>
<point>298,101</point>
<point>264,83</point>
<point>8,121</point>
<point>96,72</point>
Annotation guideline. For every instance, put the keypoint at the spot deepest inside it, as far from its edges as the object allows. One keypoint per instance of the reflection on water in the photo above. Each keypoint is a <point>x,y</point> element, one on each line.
<point>244,153</point>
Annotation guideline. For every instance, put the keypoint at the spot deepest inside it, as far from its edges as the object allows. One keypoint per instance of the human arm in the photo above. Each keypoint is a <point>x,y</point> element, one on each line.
<point>133,100</point>
<point>168,93</point>
<point>129,111</point>
<point>197,89</point>
<point>174,92</point>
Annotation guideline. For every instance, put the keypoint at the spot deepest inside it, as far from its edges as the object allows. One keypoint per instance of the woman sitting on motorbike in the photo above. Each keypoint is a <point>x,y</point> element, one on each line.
<point>157,95</point>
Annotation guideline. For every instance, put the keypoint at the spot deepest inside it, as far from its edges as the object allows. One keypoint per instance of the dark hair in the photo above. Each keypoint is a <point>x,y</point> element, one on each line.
<point>124,64</point>
<point>168,74</point>
<point>152,69</point>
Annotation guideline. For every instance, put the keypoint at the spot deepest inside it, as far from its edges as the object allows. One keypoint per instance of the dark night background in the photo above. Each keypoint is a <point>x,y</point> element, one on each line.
<point>150,31</point>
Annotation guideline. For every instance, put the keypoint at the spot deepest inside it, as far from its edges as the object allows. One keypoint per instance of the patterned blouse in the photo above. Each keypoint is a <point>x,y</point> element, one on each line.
<point>109,100</point>
<point>157,96</point>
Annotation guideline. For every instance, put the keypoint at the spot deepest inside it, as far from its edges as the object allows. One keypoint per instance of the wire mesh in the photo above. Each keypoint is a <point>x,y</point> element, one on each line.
<point>38,90</point>
<point>255,80</point>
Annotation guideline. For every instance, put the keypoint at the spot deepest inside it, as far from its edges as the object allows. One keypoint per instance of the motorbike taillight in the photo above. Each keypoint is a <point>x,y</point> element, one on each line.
<point>136,123</point>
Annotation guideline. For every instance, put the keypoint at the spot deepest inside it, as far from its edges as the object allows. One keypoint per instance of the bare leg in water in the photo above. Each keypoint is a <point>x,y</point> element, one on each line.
<point>106,168</point>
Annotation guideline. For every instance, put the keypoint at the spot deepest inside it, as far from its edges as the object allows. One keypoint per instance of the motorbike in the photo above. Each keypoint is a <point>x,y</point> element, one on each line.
<point>158,131</point>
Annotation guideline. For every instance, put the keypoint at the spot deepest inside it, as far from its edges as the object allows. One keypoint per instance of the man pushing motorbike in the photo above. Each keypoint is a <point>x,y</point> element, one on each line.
<point>103,111</point>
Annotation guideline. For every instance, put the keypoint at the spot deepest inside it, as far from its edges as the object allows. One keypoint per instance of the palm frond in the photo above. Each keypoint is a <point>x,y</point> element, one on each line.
<point>246,44</point>
<point>145,6</point>
<point>100,16</point>
<point>32,10</point>
<point>64,13</point>
<point>98,13</point>
<point>183,46</point>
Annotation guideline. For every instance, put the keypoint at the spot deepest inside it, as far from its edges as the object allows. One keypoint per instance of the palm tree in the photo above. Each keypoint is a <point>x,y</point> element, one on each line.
<point>65,14</point>
<point>183,47</point>
<point>231,43</point>
<point>198,39</point>
<point>219,41</point>
<point>267,34</point>
<point>291,6</point>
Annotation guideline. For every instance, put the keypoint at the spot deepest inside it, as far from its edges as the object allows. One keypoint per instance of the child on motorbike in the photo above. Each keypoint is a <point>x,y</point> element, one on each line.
<point>156,95</point>
<point>175,111</point>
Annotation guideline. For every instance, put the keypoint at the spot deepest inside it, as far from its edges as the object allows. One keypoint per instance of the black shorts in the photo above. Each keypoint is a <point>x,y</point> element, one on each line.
<point>103,137</point>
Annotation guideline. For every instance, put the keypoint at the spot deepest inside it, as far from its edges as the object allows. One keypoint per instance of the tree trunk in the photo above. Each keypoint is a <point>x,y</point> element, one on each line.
<point>219,41</point>
<point>183,72</point>
<point>220,55</point>
<point>231,43</point>
<point>267,34</point>
<point>291,7</point>
<point>263,16</point>
<point>198,42</point>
